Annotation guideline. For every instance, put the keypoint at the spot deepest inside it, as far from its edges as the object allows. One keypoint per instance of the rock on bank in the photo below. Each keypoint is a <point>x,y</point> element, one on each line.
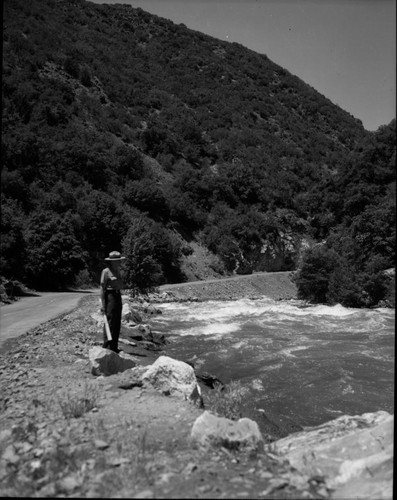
<point>351,455</point>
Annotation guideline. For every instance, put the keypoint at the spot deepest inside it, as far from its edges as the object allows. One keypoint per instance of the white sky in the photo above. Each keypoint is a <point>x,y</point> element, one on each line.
<point>345,49</point>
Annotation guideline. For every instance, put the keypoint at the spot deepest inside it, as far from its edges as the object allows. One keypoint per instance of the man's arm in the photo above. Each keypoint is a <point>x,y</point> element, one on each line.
<point>102,290</point>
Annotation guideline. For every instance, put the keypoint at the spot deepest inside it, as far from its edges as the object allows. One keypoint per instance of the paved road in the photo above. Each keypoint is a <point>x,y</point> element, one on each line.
<point>28,312</point>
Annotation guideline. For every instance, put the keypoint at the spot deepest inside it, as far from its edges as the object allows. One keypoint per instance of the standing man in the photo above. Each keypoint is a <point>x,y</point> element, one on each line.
<point>110,294</point>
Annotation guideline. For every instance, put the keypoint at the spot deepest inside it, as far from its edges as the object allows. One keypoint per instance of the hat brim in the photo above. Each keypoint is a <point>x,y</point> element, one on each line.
<point>118,258</point>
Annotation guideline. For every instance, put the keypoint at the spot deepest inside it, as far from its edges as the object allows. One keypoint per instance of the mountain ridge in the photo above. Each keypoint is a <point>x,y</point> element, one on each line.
<point>119,125</point>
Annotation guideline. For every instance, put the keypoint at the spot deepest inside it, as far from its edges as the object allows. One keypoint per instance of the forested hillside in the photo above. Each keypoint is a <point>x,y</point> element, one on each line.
<point>122,130</point>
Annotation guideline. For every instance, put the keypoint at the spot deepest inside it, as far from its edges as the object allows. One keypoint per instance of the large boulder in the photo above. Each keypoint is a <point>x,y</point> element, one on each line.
<point>171,377</point>
<point>106,362</point>
<point>209,429</point>
<point>353,454</point>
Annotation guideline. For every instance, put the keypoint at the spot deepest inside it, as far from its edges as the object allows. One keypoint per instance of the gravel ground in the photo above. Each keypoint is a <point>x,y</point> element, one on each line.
<point>277,286</point>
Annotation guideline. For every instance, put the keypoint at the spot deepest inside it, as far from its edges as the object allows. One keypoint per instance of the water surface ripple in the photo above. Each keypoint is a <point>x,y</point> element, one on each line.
<point>302,364</point>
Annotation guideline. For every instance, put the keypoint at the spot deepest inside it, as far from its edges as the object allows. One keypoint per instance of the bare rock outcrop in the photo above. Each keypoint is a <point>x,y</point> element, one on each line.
<point>353,454</point>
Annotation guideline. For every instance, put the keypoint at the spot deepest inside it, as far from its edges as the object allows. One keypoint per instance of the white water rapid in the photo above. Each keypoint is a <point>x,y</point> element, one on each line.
<point>301,365</point>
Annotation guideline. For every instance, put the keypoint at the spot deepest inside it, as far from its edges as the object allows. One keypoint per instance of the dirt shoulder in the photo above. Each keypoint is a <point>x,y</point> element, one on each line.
<point>31,311</point>
<point>67,433</point>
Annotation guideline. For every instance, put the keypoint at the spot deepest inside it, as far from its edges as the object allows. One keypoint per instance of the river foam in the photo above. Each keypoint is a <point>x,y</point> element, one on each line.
<point>301,362</point>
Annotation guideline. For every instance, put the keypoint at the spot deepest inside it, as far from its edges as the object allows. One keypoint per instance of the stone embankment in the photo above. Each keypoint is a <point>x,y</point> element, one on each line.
<point>277,286</point>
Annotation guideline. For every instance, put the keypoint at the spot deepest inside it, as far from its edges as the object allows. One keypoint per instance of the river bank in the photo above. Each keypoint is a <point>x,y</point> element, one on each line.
<point>67,433</point>
<point>277,286</point>
<point>132,444</point>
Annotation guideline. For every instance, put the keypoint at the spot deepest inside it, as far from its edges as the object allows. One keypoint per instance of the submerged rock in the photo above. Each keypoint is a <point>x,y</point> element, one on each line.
<point>354,454</point>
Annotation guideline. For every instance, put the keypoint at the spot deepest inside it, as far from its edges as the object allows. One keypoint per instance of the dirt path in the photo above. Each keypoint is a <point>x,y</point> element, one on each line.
<point>29,312</point>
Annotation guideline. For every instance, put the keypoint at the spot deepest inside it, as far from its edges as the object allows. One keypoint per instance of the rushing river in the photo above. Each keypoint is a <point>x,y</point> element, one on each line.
<point>301,365</point>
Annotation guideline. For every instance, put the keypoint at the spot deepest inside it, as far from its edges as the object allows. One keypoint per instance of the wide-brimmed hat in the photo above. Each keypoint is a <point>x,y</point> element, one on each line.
<point>115,256</point>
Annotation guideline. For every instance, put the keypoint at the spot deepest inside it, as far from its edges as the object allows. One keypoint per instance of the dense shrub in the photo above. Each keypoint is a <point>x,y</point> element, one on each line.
<point>313,277</point>
<point>147,197</point>
<point>54,254</point>
<point>152,255</point>
<point>328,277</point>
